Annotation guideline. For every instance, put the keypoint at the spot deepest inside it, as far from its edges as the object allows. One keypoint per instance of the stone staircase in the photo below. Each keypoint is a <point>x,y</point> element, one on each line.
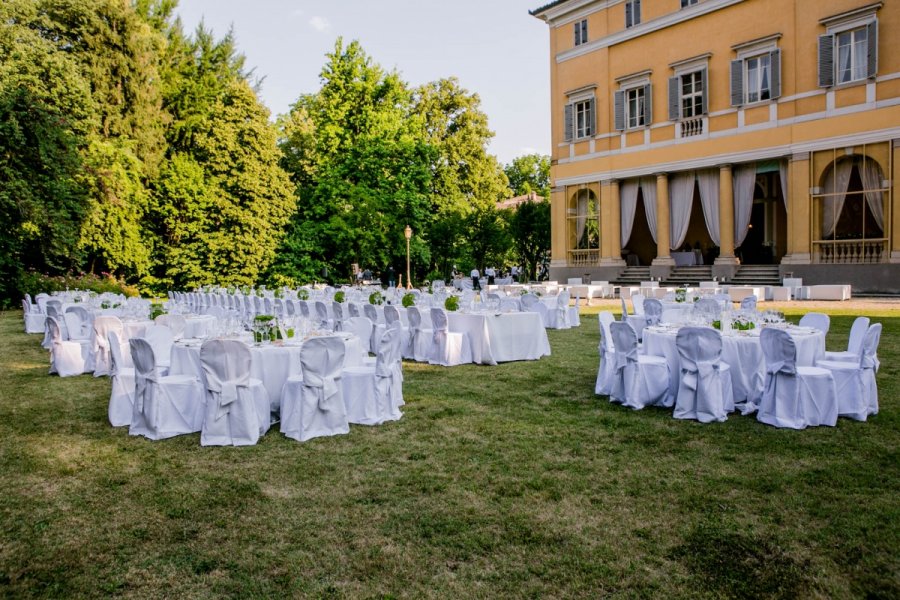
<point>632,276</point>
<point>757,275</point>
<point>687,276</point>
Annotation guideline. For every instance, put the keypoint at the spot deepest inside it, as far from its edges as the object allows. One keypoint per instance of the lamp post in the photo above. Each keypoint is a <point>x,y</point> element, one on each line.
<point>408,233</point>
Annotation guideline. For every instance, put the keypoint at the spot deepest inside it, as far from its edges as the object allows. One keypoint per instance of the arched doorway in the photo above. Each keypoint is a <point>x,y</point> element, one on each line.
<point>697,236</point>
<point>766,238</point>
<point>583,227</point>
<point>640,248</point>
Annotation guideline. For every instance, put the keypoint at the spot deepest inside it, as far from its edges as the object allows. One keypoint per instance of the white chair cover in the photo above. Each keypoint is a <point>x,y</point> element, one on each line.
<point>653,310</point>
<point>78,323</point>
<point>624,309</point>
<point>303,305</point>
<point>558,316</point>
<point>164,406</point>
<point>34,318</point>
<point>361,327</point>
<point>237,406</point>
<point>449,348</point>
<point>637,301</point>
<point>121,398</point>
<point>640,380</point>
<point>421,339</point>
<point>708,308</point>
<point>337,310</point>
<point>353,309</point>
<point>749,302</point>
<point>857,392</point>
<point>374,394</point>
<point>607,371</point>
<point>704,389</point>
<point>103,326</point>
<point>528,301</point>
<point>816,320</point>
<point>68,357</point>
<point>370,311</point>
<point>854,344</point>
<point>176,324</point>
<point>313,405</point>
<point>161,340</point>
<point>793,397</point>
<point>574,312</point>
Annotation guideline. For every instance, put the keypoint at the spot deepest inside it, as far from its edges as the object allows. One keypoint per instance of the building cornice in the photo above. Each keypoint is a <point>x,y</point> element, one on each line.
<point>851,14</point>
<point>668,20</point>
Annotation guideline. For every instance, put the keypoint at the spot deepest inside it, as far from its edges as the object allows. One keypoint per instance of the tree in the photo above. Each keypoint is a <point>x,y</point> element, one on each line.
<point>530,231</point>
<point>529,173</point>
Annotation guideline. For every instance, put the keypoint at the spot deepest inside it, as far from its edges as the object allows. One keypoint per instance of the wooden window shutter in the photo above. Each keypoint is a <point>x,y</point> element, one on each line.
<point>577,34</point>
<point>648,104</point>
<point>775,73</point>
<point>619,110</point>
<point>872,39</point>
<point>737,82</point>
<point>826,60</point>
<point>569,124</point>
<point>592,118</point>
<point>704,94</point>
<point>674,98</point>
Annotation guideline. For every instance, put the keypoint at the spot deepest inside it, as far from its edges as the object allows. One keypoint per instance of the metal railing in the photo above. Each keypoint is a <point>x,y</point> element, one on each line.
<point>583,258</point>
<point>841,252</point>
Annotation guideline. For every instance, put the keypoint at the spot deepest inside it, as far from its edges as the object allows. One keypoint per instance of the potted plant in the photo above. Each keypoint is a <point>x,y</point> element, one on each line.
<point>451,303</point>
<point>408,300</point>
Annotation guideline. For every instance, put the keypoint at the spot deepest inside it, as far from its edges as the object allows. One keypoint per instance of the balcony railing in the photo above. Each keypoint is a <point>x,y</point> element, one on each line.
<point>692,127</point>
<point>841,252</point>
<point>583,258</point>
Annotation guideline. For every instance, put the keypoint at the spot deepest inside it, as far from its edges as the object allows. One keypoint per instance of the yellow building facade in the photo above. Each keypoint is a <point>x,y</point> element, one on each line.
<point>734,131</point>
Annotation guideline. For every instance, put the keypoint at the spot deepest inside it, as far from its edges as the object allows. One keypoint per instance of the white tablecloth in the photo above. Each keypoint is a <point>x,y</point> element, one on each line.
<point>272,364</point>
<point>502,338</point>
<point>741,351</point>
<point>200,326</point>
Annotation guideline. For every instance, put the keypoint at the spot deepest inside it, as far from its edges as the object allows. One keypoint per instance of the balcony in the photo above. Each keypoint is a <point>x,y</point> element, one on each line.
<point>583,258</point>
<point>844,252</point>
<point>691,127</point>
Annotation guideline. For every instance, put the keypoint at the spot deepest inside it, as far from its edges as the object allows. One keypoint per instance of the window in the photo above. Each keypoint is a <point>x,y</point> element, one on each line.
<point>686,3</point>
<point>849,55</point>
<point>632,107</point>
<point>581,32</point>
<point>579,119</point>
<point>691,95</point>
<point>632,13</point>
<point>583,226</point>
<point>756,78</point>
<point>759,78</point>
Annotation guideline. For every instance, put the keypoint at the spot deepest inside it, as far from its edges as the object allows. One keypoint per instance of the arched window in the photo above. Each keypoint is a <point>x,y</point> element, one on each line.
<point>583,226</point>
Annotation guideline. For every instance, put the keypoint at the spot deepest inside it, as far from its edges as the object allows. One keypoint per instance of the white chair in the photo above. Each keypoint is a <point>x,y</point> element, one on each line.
<point>353,309</point>
<point>637,302</point>
<point>303,306</point>
<point>708,308</point>
<point>164,405</point>
<point>558,316</point>
<point>374,394</point>
<point>816,320</point>
<point>68,357</point>
<point>421,338</point>
<point>337,309</point>
<point>857,392</point>
<point>607,371</point>
<point>640,380</point>
<point>79,323</point>
<point>321,317</point>
<point>704,388</point>
<point>653,310</point>
<point>312,405</point>
<point>121,375</point>
<point>528,301</point>
<point>793,396</point>
<point>449,348</point>
<point>176,323</point>
<point>748,302</point>
<point>854,343</point>
<point>510,305</point>
<point>237,406</point>
<point>34,318</point>
<point>378,326</point>
<point>362,328</point>
<point>624,309</point>
<point>161,339</point>
<point>575,312</point>
<point>103,326</point>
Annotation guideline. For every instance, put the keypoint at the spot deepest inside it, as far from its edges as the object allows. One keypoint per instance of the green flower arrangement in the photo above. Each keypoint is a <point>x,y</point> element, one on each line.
<point>302,294</point>
<point>376,298</point>
<point>271,333</point>
<point>156,310</point>
<point>278,293</point>
<point>451,303</point>
<point>716,324</point>
<point>408,300</point>
<point>680,294</point>
<point>108,304</point>
<point>339,296</point>
<point>743,324</point>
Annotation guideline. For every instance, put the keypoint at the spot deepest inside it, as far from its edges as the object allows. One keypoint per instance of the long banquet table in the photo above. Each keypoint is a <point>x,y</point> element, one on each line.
<point>504,337</point>
<point>740,350</point>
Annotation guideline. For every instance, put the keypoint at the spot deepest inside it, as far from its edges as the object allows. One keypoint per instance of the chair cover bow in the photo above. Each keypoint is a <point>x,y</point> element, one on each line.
<point>326,389</point>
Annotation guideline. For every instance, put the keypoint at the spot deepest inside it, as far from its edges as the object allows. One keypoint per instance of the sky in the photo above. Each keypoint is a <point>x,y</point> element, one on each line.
<point>494,47</point>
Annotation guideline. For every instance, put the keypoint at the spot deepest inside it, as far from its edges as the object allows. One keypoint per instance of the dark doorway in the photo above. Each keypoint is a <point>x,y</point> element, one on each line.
<point>640,249</point>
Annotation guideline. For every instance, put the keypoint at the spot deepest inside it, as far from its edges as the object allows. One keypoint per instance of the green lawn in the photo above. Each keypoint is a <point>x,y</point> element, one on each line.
<point>508,481</point>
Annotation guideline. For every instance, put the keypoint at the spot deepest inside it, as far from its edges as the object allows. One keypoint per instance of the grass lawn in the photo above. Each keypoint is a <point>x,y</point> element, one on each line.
<point>508,481</point>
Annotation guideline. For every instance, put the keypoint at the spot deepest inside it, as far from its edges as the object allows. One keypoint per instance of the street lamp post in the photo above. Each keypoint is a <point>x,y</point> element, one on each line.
<point>408,233</point>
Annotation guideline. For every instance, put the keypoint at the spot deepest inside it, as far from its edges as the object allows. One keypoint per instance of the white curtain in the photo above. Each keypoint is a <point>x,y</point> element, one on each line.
<point>836,182</point>
<point>681,196</point>
<point>744,183</point>
<point>648,191</point>
<point>782,175</point>
<point>581,216</point>
<point>870,173</point>
<point>708,181</point>
<point>628,192</point>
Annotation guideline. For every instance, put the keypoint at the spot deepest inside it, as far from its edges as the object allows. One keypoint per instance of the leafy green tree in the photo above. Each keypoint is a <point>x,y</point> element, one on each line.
<point>530,231</point>
<point>489,241</point>
<point>529,173</point>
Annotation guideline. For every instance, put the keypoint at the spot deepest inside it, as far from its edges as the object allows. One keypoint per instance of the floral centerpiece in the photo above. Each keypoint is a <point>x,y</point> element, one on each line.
<point>451,303</point>
<point>339,296</point>
<point>408,300</point>
<point>376,298</point>
<point>156,309</point>
<point>109,304</point>
<point>680,295</point>
<point>302,294</point>
<point>265,328</point>
<point>742,323</point>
